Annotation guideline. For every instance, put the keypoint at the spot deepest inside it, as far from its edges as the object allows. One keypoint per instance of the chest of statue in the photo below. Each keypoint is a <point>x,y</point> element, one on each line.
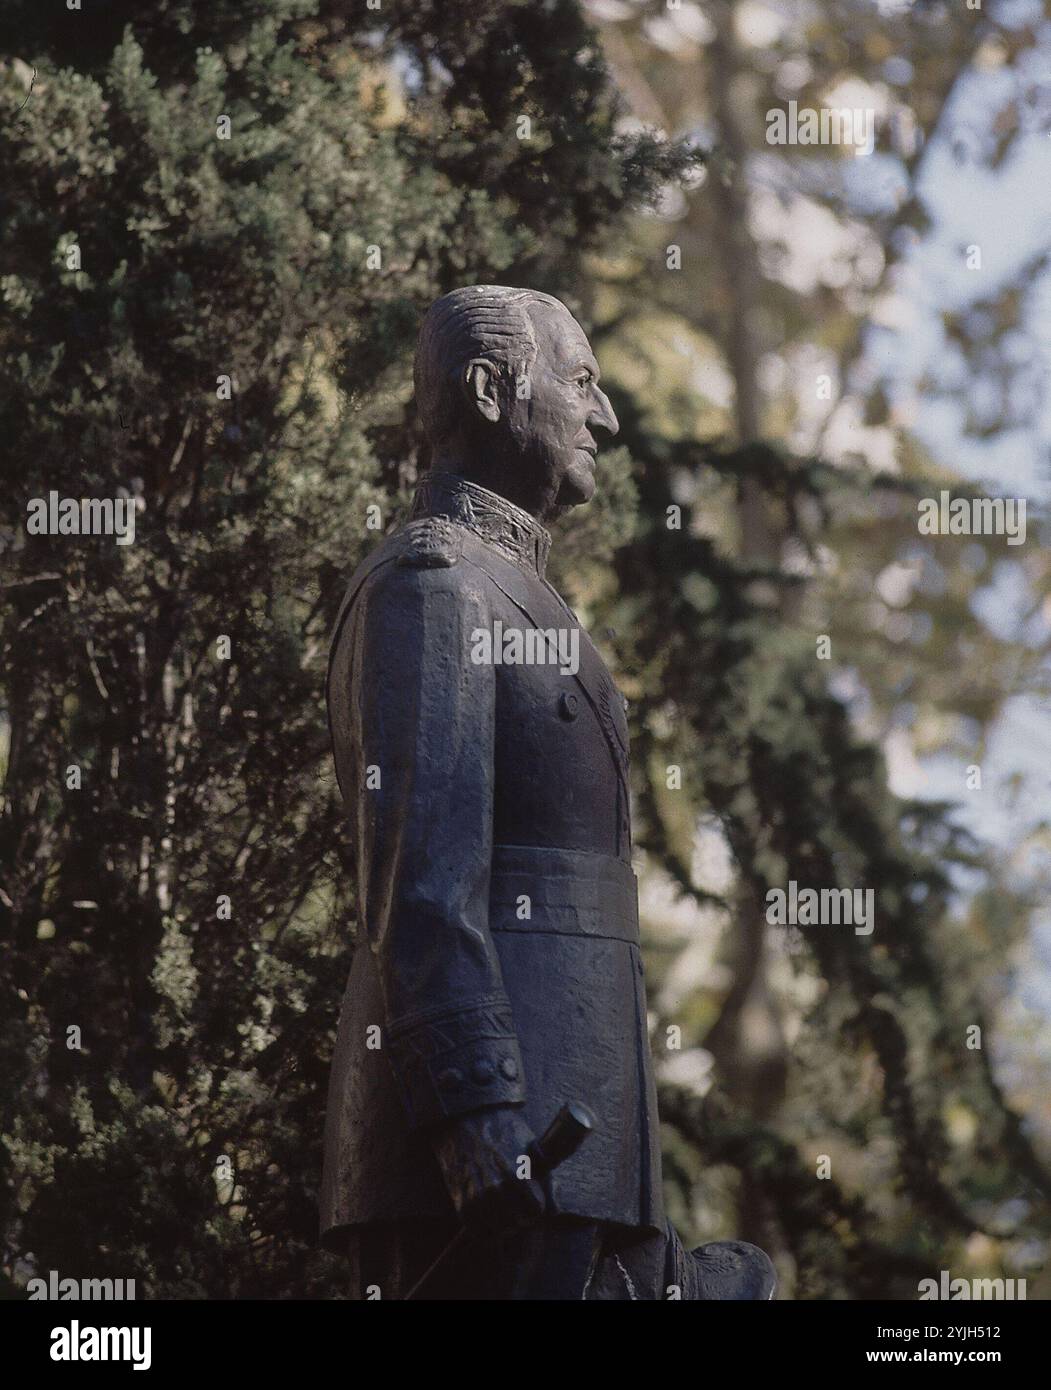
<point>560,759</point>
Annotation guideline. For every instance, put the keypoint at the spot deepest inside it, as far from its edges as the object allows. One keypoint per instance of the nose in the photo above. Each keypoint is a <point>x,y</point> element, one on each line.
<point>602,412</point>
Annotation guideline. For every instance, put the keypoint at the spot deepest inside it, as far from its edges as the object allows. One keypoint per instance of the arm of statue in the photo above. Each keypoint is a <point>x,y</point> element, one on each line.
<point>427,719</point>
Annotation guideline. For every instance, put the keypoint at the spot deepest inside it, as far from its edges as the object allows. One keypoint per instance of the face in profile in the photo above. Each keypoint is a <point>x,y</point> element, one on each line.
<point>552,424</point>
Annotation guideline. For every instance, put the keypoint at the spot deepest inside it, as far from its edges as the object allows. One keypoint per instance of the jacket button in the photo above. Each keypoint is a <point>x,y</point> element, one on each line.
<point>568,706</point>
<point>450,1080</point>
<point>508,1068</point>
<point>482,1072</point>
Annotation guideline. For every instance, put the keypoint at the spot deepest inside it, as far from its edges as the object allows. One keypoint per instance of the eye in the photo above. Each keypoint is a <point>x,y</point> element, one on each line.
<point>584,380</point>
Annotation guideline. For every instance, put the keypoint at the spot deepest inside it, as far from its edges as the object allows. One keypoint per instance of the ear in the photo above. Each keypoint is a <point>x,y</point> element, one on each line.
<point>480,383</point>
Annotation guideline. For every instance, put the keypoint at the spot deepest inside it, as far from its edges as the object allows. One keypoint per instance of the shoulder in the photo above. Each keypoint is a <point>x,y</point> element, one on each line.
<point>424,563</point>
<point>423,553</point>
<point>419,563</point>
<point>432,542</point>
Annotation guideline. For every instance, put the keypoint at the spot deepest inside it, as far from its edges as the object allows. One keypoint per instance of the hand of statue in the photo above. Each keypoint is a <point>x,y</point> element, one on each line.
<point>480,1156</point>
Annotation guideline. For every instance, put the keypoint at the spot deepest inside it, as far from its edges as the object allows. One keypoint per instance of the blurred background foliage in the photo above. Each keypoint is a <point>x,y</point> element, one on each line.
<point>761,497</point>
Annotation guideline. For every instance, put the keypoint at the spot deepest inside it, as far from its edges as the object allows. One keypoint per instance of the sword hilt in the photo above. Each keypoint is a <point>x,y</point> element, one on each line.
<point>563,1136</point>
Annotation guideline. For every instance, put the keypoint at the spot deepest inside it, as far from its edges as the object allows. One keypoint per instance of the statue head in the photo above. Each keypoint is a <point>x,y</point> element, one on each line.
<point>508,394</point>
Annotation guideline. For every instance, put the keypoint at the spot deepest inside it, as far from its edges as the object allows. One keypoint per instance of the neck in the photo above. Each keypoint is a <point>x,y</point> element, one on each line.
<point>508,477</point>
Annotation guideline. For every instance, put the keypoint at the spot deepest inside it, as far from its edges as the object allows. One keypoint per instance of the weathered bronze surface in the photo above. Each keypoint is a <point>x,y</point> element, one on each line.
<point>482,751</point>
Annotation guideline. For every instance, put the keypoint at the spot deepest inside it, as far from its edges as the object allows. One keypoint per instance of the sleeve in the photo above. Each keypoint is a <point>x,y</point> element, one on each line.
<point>424,799</point>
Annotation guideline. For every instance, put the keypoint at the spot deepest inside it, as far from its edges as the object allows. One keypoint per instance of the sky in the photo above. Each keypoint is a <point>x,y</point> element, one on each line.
<point>1007,212</point>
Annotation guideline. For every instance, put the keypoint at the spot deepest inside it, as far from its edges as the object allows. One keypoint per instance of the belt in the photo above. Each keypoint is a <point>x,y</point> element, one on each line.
<point>570,892</point>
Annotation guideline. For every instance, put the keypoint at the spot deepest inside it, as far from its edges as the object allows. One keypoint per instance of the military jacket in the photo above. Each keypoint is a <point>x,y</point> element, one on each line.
<point>482,753</point>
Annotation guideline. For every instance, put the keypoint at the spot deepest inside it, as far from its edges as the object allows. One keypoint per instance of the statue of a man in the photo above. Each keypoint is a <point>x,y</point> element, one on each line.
<point>482,751</point>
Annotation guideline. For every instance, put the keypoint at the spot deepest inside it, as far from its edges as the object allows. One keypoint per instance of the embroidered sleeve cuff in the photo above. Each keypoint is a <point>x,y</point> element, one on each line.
<point>451,1065</point>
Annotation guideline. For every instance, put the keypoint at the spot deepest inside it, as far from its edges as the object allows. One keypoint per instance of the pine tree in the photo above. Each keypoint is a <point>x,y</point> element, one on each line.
<point>227,223</point>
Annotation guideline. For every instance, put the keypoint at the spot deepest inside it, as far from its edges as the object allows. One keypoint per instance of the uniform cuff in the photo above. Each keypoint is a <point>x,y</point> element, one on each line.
<point>451,1065</point>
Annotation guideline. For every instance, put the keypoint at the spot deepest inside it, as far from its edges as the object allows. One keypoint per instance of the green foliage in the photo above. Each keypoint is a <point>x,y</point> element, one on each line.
<point>205,1034</point>
<point>180,1145</point>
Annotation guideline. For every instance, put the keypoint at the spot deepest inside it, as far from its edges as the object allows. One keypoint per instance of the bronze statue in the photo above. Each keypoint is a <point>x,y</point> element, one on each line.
<point>482,751</point>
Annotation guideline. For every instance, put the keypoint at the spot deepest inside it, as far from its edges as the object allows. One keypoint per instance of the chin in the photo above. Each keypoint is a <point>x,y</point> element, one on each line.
<point>577,486</point>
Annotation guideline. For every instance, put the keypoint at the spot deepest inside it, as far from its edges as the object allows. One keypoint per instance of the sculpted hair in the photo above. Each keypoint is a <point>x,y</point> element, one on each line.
<point>490,321</point>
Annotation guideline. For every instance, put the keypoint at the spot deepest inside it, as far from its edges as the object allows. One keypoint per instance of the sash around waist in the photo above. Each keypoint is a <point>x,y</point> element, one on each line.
<point>570,892</point>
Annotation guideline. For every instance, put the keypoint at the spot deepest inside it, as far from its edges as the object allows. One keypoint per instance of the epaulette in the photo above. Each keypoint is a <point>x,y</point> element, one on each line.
<point>433,542</point>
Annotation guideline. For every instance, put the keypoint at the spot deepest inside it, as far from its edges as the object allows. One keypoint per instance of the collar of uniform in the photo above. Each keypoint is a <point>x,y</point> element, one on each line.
<point>485,514</point>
